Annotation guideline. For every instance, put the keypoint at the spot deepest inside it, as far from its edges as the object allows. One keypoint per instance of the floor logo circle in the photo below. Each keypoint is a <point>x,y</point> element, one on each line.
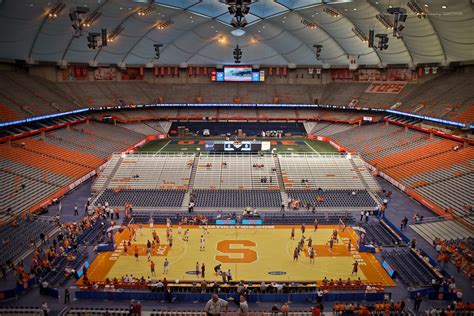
<point>277,272</point>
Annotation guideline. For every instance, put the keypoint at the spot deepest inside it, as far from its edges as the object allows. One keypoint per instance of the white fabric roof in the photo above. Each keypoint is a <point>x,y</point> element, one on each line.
<point>274,36</point>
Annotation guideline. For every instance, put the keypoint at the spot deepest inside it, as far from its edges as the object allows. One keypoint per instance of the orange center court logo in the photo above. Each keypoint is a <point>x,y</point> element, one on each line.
<point>239,249</point>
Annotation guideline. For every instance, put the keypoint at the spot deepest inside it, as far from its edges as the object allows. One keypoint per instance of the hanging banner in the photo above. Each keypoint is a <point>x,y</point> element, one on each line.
<point>386,87</point>
<point>131,74</point>
<point>105,73</point>
<point>353,62</point>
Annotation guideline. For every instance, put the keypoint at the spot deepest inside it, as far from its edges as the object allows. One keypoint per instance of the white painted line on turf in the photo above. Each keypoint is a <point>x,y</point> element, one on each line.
<point>311,147</point>
<point>162,147</point>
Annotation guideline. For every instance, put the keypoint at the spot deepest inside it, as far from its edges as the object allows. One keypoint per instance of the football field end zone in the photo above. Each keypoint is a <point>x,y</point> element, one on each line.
<point>191,145</point>
<point>252,254</point>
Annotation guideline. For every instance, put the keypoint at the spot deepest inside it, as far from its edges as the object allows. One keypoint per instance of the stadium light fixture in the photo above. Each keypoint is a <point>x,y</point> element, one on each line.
<point>309,24</point>
<point>417,9</point>
<point>385,21</point>
<point>331,12</point>
<point>56,11</point>
<point>146,11</point>
<point>360,34</point>
<point>164,25</point>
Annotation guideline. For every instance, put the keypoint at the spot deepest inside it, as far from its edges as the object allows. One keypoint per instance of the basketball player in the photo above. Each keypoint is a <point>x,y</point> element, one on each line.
<point>186,235</point>
<point>166,266</point>
<point>331,244</point>
<point>203,243</point>
<point>136,253</point>
<point>170,241</point>
<point>296,254</point>
<point>197,269</point>
<point>310,242</point>
<point>292,234</point>
<point>303,229</point>
<point>355,268</point>
<point>311,255</point>
<point>349,245</point>
<point>205,232</point>
<point>148,247</point>
<point>152,267</point>
<point>315,224</point>
<point>179,228</point>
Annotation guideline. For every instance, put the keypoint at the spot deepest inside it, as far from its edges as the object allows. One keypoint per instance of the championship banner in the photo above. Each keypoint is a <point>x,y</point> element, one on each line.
<point>105,73</point>
<point>131,74</point>
<point>386,87</point>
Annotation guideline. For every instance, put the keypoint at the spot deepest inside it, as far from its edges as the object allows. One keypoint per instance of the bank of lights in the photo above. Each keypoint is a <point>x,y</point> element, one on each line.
<point>56,11</point>
<point>309,24</point>
<point>331,12</point>
<point>164,25</point>
<point>146,11</point>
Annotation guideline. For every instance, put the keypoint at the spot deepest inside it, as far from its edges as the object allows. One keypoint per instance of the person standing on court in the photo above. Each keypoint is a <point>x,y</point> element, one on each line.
<point>215,306</point>
<point>203,270</point>
<point>166,266</point>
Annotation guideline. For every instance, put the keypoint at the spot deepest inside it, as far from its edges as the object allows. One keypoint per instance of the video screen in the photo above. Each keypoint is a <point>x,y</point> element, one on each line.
<point>238,73</point>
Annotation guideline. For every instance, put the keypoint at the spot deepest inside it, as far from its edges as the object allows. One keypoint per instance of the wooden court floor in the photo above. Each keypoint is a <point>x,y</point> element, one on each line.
<point>251,253</point>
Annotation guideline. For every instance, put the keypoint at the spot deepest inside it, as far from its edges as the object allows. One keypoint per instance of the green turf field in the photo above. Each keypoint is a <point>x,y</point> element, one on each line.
<point>295,145</point>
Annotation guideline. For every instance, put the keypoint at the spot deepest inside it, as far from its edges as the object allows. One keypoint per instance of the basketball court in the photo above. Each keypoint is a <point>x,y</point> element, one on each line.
<point>256,253</point>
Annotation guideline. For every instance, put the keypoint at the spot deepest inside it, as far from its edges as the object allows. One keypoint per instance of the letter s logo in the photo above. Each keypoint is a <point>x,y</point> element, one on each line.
<point>246,255</point>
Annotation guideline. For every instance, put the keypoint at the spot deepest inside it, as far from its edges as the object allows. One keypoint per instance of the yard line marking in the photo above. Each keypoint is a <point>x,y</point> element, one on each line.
<point>311,148</point>
<point>162,148</point>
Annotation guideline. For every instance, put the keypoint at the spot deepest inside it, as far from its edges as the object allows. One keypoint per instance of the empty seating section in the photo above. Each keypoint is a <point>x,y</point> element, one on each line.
<point>75,140</point>
<point>335,199</point>
<point>333,128</point>
<point>412,165</point>
<point>27,171</point>
<point>46,149</point>
<point>250,128</point>
<point>433,148</point>
<point>311,172</point>
<point>427,164</point>
<point>41,161</point>
<point>409,267</point>
<point>141,128</point>
<point>18,239</point>
<point>379,235</point>
<point>366,175</point>
<point>111,132</point>
<point>17,310</point>
<point>87,311</point>
<point>455,170</point>
<point>444,230</point>
<point>19,193</point>
<point>103,177</point>
<point>237,198</point>
<point>16,94</point>
<point>236,172</point>
<point>372,140</point>
<point>159,172</point>
<point>95,138</point>
<point>142,198</point>
<point>454,193</point>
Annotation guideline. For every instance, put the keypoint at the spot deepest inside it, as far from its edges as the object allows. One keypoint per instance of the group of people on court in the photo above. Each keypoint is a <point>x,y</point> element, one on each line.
<point>310,249</point>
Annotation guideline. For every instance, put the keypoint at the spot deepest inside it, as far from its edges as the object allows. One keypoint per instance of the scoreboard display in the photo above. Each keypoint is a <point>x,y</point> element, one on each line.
<point>235,147</point>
